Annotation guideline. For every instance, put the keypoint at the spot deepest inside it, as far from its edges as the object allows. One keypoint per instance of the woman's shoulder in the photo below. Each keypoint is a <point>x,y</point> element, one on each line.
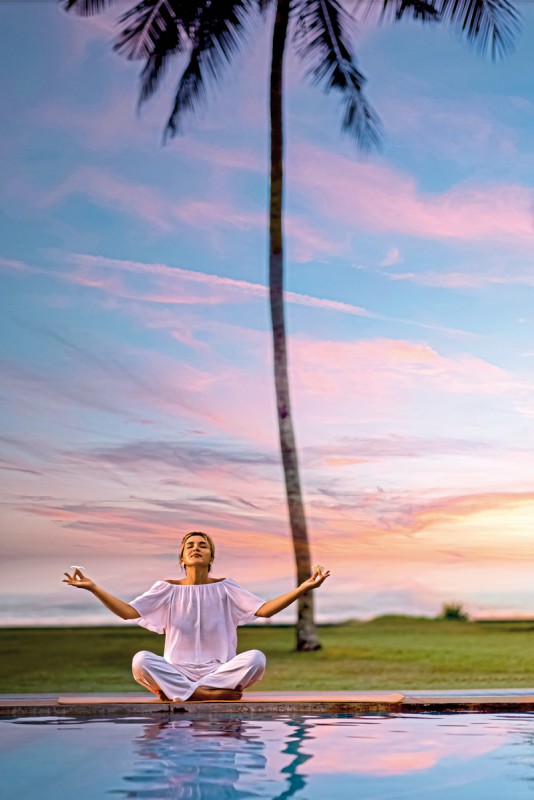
<point>159,585</point>
<point>172,582</point>
<point>158,589</point>
<point>230,583</point>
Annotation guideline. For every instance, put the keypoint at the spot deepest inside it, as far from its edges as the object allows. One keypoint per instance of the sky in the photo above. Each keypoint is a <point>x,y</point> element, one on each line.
<point>136,396</point>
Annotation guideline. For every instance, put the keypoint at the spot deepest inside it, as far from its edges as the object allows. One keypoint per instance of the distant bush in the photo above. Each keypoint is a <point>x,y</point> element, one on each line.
<point>454,611</point>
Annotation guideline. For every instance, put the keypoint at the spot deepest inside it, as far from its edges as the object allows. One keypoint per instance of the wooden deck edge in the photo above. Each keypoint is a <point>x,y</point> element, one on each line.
<point>439,705</point>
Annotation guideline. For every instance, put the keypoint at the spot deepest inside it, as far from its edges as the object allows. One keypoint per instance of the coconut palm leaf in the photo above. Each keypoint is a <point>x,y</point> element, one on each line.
<point>263,5</point>
<point>412,9</point>
<point>156,30</point>
<point>486,24</point>
<point>86,8</point>
<point>154,26</point>
<point>219,31</point>
<point>321,36</point>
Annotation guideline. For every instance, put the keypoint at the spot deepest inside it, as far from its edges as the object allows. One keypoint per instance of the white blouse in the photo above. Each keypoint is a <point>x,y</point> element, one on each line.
<point>199,620</point>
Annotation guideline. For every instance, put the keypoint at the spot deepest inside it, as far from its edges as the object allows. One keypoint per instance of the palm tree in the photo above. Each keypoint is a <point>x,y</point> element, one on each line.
<point>206,34</point>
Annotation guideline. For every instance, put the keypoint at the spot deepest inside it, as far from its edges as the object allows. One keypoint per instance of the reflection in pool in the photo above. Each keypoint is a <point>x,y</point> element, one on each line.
<point>305,757</point>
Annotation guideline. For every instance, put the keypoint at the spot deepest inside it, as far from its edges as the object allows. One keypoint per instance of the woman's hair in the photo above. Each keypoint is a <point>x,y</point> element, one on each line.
<point>197,533</point>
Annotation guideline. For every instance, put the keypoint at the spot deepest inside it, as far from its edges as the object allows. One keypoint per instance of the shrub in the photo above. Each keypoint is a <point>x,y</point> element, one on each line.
<point>454,611</point>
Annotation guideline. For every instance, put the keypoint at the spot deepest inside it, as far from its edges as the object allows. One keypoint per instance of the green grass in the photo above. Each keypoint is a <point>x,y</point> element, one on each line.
<point>386,653</point>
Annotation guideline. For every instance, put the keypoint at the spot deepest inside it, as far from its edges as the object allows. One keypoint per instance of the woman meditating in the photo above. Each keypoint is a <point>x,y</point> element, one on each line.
<point>199,616</point>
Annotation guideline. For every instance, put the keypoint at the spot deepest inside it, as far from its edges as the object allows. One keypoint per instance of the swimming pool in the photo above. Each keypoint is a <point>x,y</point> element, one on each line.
<point>382,757</point>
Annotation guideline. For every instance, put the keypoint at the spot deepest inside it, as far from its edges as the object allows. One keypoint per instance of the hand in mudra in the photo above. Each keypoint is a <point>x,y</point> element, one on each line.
<point>78,579</point>
<point>318,576</point>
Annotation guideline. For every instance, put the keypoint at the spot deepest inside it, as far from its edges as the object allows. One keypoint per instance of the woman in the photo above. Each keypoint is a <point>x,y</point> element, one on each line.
<point>199,616</point>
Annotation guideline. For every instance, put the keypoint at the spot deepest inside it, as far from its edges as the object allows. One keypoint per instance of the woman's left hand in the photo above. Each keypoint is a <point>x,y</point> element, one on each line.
<point>318,576</point>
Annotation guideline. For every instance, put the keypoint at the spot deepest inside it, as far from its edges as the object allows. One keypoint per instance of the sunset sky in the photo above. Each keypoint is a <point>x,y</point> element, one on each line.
<point>136,396</point>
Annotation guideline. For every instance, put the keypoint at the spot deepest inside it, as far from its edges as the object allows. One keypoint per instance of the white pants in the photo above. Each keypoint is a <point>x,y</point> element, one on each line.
<point>179,682</point>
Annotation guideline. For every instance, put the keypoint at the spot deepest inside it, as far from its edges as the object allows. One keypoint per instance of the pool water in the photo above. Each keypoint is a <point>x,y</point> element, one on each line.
<point>382,757</point>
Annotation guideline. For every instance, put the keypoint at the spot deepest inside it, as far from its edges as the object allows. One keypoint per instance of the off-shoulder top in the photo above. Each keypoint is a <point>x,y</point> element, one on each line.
<point>199,620</point>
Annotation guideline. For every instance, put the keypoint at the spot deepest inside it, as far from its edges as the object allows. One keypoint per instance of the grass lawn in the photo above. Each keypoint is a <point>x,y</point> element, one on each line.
<point>386,653</point>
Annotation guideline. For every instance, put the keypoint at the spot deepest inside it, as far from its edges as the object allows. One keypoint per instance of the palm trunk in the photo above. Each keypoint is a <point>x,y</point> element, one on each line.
<point>306,632</point>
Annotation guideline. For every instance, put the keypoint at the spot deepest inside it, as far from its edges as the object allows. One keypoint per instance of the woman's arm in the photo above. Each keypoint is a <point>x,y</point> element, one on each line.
<point>272,607</point>
<point>119,607</point>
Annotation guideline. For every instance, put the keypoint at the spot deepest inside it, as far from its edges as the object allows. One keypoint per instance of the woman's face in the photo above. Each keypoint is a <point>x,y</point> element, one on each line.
<point>196,551</point>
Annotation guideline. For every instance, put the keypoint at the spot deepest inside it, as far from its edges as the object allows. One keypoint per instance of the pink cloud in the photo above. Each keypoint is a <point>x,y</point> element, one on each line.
<point>142,201</point>
<point>384,199</point>
<point>237,289</point>
<point>234,288</point>
<point>218,157</point>
<point>15,265</point>
<point>465,132</point>
<point>151,205</point>
<point>391,258</point>
<point>148,203</point>
<point>207,213</point>
<point>381,371</point>
<point>308,242</point>
<point>467,530</point>
<point>389,377</point>
<point>153,527</point>
<point>143,381</point>
<point>465,506</point>
<point>109,127</point>
<point>387,550</point>
<point>463,280</point>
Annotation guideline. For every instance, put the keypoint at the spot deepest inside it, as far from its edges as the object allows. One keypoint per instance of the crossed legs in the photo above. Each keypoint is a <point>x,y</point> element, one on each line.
<point>170,682</point>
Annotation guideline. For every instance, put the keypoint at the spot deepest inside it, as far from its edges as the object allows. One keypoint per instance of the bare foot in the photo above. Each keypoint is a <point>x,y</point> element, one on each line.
<point>162,696</point>
<point>206,693</point>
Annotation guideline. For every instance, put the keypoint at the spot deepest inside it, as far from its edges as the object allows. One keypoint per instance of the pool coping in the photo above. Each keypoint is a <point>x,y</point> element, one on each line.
<point>343,702</point>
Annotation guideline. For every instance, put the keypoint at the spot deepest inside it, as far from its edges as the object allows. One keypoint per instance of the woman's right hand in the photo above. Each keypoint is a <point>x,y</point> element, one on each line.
<point>79,580</point>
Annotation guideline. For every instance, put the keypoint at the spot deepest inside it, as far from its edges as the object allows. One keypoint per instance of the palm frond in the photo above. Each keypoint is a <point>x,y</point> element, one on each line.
<point>217,34</point>
<point>151,76</point>
<point>321,38</point>
<point>156,30</point>
<point>263,5</point>
<point>412,9</point>
<point>154,26</point>
<point>487,24</point>
<point>85,8</point>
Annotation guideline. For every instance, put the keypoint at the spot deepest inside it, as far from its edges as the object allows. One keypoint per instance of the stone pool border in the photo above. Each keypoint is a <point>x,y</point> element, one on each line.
<point>136,704</point>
